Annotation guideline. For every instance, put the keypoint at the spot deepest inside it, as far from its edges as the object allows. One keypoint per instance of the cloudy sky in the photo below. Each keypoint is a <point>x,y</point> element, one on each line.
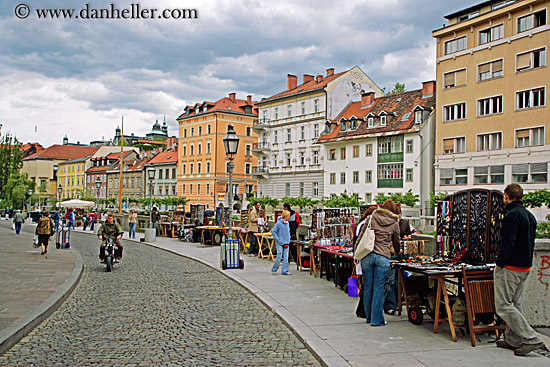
<point>78,77</point>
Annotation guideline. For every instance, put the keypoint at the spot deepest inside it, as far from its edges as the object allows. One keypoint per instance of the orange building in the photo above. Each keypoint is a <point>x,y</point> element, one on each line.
<point>202,164</point>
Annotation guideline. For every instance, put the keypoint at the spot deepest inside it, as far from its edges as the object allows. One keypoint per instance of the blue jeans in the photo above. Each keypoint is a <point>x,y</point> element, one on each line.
<point>391,288</point>
<point>375,269</point>
<point>17,227</point>
<point>281,252</point>
<point>132,233</point>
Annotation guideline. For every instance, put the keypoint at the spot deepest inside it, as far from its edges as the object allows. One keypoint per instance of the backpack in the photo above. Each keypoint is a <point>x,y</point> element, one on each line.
<point>44,226</point>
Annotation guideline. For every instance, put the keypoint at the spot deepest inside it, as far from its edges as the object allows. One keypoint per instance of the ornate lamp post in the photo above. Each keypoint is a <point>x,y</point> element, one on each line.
<point>97,188</point>
<point>151,177</point>
<point>230,143</point>
<point>30,202</point>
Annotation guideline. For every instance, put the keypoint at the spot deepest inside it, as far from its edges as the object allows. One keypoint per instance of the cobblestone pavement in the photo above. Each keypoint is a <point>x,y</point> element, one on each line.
<point>157,308</point>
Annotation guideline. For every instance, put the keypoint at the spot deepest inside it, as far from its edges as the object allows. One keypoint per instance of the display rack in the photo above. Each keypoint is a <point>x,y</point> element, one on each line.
<point>333,226</point>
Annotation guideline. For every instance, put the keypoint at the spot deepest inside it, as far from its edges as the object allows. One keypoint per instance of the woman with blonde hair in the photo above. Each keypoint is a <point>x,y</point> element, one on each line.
<point>281,234</point>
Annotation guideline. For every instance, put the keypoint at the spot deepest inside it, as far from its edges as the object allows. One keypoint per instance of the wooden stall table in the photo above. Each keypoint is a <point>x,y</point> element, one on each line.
<point>208,234</point>
<point>168,229</point>
<point>266,242</point>
<point>243,235</point>
<point>341,259</point>
<point>301,246</point>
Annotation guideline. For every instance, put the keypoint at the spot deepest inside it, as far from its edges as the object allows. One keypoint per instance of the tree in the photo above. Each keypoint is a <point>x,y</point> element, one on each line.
<point>342,201</point>
<point>301,202</point>
<point>397,88</point>
<point>537,199</point>
<point>265,201</point>
<point>434,198</point>
<point>408,199</point>
<point>11,159</point>
<point>16,190</point>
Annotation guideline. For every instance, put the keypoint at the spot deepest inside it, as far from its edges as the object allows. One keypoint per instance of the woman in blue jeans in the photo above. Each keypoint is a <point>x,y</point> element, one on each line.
<point>376,265</point>
<point>281,235</point>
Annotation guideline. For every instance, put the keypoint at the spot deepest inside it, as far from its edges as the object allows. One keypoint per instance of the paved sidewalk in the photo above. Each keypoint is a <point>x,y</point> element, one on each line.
<point>323,316</point>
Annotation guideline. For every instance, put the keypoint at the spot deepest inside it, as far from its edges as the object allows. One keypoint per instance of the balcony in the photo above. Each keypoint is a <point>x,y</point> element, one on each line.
<point>390,157</point>
<point>259,170</point>
<point>390,183</point>
<point>260,124</point>
<point>260,147</point>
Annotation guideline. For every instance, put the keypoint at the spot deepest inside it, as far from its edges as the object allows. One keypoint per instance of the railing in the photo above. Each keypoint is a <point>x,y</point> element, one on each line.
<point>261,123</point>
<point>260,146</point>
<point>259,170</point>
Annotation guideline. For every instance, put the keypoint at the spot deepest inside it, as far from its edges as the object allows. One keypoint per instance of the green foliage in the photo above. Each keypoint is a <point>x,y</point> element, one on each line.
<point>543,229</point>
<point>301,202</point>
<point>434,198</point>
<point>265,201</point>
<point>16,190</point>
<point>397,88</point>
<point>145,147</point>
<point>537,199</point>
<point>342,201</point>
<point>11,160</point>
<point>408,199</point>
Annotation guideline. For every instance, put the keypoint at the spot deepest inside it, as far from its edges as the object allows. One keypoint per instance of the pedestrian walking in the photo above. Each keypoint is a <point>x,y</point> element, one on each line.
<point>44,229</point>
<point>132,222</point>
<point>18,221</point>
<point>84,221</point>
<point>253,228</point>
<point>293,223</point>
<point>375,266</point>
<point>514,262</point>
<point>155,218</point>
<point>281,235</point>
<point>93,218</point>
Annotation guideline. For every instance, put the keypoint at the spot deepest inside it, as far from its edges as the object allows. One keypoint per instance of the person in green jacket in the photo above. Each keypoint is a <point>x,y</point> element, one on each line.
<point>18,220</point>
<point>113,230</point>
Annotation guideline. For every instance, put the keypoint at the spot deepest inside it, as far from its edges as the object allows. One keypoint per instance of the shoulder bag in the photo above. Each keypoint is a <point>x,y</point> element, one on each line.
<point>365,243</point>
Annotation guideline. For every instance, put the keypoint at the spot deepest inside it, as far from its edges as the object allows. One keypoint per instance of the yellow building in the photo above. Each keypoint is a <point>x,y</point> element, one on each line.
<point>72,177</point>
<point>492,120</point>
<point>202,164</point>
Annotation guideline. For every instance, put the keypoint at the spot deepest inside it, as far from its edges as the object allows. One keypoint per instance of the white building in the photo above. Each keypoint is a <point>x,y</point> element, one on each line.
<point>289,164</point>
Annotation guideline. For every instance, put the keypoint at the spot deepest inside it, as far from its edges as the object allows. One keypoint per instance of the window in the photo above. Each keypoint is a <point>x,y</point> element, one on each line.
<point>276,113</point>
<point>383,120</point>
<point>200,130</point>
<point>356,151</point>
<point>289,110</point>
<point>390,144</point>
<point>331,155</point>
<point>454,145</point>
<point>454,112</point>
<point>302,132</point>
<point>209,129</point>
<point>247,168</point>
<point>409,175</point>
<point>481,175</point>
<point>274,160</point>
<point>496,174</point>
<point>355,177</point>
<point>530,172</point>
<point>461,176</point>
<point>489,106</point>
<point>316,105</point>
<point>191,149</point>
<point>530,137</point>
<point>531,21</point>
<point>287,159</point>
<point>185,133</point>
<point>409,146</point>
<point>368,150</point>
<point>208,148</point>
<point>190,168</point>
<point>160,174</point>
<point>184,150</point>
<point>368,197</point>
<point>199,148</point>
<point>248,131</point>
<point>465,17</point>
<point>207,189</point>
<point>490,70</point>
<point>446,176</point>
<point>370,122</point>
<point>342,178</point>
<point>183,169</point>
<point>275,137</point>
<point>287,189</point>
<point>192,131</point>
<point>531,60</point>
<point>264,115</point>
<point>316,130</point>
<point>333,178</point>
<point>417,117</point>
<point>530,98</point>
<point>301,189</point>
<point>343,153</point>
<point>207,167</point>
<point>489,174</point>
<point>183,189</point>
<point>455,45</point>
<point>492,141</point>
<point>454,78</point>
<point>198,189</point>
<point>315,188</point>
<point>390,171</point>
<point>302,156</point>
<point>491,34</point>
<point>303,108</point>
<point>288,135</point>
<point>199,167</point>
<point>315,157</point>
<point>502,4</point>
<point>368,176</point>
<point>247,149</point>
<point>191,189</point>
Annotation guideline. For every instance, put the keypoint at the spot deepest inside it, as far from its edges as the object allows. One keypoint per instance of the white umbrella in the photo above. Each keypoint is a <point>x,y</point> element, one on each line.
<point>75,203</point>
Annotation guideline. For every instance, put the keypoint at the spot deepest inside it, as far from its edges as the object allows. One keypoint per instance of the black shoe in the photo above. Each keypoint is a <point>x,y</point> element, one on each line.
<point>504,344</point>
<point>527,348</point>
<point>42,253</point>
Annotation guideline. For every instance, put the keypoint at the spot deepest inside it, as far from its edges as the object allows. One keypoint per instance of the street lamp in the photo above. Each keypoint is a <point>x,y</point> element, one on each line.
<point>97,187</point>
<point>230,143</point>
<point>30,203</point>
<point>59,192</point>
<point>151,176</point>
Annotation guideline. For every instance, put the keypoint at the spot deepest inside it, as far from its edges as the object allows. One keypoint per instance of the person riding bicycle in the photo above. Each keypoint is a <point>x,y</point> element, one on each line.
<point>113,230</point>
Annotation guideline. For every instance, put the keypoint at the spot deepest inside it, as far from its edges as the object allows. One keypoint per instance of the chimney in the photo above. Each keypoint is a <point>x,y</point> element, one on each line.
<point>330,72</point>
<point>232,96</point>
<point>308,78</point>
<point>292,81</point>
<point>249,99</point>
<point>367,99</point>
<point>319,78</point>
<point>428,88</point>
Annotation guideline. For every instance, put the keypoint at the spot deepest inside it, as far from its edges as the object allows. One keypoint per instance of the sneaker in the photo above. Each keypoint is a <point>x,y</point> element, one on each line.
<point>526,348</point>
<point>390,312</point>
<point>274,272</point>
<point>385,323</point>
<point>504,344</point>
<point>289,273</point>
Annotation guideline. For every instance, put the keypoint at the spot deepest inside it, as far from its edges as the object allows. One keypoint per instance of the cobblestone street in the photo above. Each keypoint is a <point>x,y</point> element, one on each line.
<point>157,308</point>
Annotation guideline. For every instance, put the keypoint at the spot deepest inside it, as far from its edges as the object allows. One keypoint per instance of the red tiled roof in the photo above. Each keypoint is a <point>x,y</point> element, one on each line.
<point>99,169</point>
<point>165,157</point>
<point>396,106</point>
<point>225,104</point>
<point>138,165</point>
<point>63,152</point>
<point>305,87</point>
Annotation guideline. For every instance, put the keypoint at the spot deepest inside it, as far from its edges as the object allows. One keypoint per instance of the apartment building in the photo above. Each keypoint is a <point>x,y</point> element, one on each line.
<point>72,177</point>
<point>166,178</point>
<point>289,164</point>
<point>203,176</point>
<point>382,145</point>
<point>492,79</point>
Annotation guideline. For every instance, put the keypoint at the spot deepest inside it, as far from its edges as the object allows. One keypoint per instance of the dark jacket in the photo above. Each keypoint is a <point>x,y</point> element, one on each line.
<point>517,242</point>
<point>404,228</point>
<point>386,232</point>
<point>109,230</point>
<point>293,223</point>
<point>155,216</point>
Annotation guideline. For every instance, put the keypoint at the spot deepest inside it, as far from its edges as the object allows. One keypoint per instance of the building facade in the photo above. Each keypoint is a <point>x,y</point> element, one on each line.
<point>72,177</point>
<point>166,179</point>
<point>492,79</point>
<point>382,145</point>
<point>289,163</point>
<point>203,176</point>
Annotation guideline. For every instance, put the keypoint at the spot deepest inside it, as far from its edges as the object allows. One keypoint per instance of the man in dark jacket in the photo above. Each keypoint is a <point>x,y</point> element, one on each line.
<point>514,262</point>
<point>113,230</point>
<point>293,223</point>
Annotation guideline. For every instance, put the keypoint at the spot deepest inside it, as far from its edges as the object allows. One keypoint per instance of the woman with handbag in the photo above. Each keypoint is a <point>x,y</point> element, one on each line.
<point>44,229</point>
<point>375,265</point>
